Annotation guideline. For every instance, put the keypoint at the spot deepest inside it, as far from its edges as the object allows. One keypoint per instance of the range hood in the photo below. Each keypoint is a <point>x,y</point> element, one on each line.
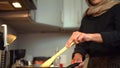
<point>6,5</point>
<point>24,20</point>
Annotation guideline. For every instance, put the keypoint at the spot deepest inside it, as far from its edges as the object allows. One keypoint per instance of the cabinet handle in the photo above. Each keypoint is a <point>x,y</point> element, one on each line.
<point>62,16</point>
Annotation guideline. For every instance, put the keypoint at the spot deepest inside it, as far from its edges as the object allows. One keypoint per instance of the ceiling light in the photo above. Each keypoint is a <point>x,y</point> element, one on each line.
<point>17,5</point>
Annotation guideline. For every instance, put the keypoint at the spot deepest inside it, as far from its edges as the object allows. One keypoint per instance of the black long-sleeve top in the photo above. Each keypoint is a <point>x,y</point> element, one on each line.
<point>108,25</point>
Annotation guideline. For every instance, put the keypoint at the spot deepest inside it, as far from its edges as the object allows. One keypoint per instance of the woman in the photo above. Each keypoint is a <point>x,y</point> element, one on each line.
<point>99,35</point>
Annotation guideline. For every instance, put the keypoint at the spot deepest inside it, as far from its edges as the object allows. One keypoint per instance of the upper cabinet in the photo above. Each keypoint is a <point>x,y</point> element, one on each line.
<point>84,6</point>
<point>71,13</point>
<point>61,13</point>
<point>49,12</point>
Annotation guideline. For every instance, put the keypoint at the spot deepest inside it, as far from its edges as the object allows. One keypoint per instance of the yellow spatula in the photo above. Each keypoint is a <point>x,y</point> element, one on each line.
<point>50,61</point>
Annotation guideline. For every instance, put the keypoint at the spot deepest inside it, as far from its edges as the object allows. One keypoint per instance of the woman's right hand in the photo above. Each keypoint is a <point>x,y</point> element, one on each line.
<point>80,37</point>
<point>77,59</point>
<point>77,37</point>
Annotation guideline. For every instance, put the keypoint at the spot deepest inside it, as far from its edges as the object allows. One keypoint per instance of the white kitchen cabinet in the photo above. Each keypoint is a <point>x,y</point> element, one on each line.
<point>49,12</point>
<point>71,13</point>
<point>61,13</point>
<point>84,6</point>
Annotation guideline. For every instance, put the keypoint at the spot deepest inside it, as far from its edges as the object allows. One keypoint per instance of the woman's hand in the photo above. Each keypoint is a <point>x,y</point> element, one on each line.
<point>80,65</point>
<point>79,37</point>
<point>77,59</point>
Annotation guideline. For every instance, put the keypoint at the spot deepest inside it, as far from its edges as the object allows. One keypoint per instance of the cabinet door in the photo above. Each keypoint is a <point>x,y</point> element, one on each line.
<point>84,6</point>
<point>49,12</point>
<point>72,13</point>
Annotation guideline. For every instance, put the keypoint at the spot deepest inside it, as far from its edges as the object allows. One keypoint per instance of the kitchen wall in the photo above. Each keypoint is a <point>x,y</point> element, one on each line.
<point>44,44</point>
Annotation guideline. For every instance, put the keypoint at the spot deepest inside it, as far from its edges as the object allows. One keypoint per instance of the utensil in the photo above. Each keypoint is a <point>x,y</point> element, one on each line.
<point>49,61</point>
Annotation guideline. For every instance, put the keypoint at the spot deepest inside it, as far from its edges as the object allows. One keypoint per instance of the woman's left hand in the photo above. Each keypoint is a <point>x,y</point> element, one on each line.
<point>80,65</point>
